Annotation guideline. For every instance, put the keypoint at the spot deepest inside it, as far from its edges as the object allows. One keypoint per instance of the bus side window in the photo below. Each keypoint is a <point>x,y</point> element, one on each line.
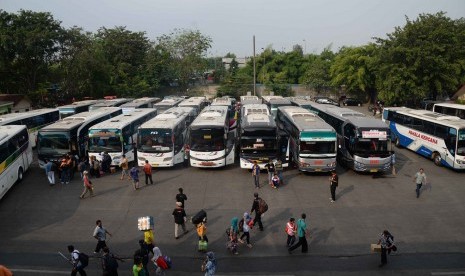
<point>451,140</point>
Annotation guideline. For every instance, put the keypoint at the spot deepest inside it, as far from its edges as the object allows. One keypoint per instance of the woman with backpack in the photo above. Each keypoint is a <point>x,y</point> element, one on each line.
<point>245,223</point>
<point>233,232</point>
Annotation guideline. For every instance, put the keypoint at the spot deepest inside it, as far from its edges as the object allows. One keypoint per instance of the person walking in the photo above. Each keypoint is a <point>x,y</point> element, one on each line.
<point>124,165</point>
<point>100,233</point>
<point>419,179</point>
<point>148,172</point>
<point>77,265</point>
<point>181,197</point>
<point>387,244</point>
<point>82,167</point>
<point>233,232</point>
<point>271,169</point>
<point>209,264</point>
<point>256,174</point>
<point>149,239</point>
<point>279,170</point>
<point>109,263</point>
<point>301,233</point>
<point>179,219</point>
<point>87,185</point>
<point>50,172</point>
<point>291,230</point>
<point>187,150</point>
<point>202,230</point>
<point>141,259</point>
<point>333,183</point>
<point>246,222</point>
<point>64,170</point>
<point>106,162</point>
<point>134,173</point>
<point>256,209</point>
<point>159,261</point>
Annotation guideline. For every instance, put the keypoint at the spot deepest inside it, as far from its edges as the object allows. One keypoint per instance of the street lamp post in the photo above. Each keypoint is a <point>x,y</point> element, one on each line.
<point>263,68</point>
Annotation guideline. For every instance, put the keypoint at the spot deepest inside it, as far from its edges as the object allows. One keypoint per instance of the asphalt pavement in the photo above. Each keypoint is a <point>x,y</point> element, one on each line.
<point>38,221</point>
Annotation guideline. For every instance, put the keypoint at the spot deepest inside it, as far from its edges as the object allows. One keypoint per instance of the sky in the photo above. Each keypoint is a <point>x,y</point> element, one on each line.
<point>279,24</point>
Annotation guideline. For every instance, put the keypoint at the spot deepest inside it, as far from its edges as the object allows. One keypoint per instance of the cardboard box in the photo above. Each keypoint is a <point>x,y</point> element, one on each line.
<point>375,248</point>
<point>145,223</point>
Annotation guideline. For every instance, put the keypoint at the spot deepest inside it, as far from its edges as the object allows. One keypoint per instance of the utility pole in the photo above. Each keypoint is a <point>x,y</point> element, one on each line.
<point>254,69</point>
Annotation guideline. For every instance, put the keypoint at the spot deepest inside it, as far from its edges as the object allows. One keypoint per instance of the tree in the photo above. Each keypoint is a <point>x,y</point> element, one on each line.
<point>424,58</point>
<point>187,49</point>
<point>317,71</point>
<point>355,67</point>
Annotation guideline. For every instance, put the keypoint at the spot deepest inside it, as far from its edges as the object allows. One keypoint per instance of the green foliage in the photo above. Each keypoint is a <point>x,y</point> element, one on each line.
<point>425,58</point>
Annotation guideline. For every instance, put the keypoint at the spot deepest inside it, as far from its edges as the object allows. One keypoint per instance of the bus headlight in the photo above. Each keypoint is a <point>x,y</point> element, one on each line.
<point>167,159</point>
<point>333,164</point>
<point>141,159</point>
<point>460,162</point>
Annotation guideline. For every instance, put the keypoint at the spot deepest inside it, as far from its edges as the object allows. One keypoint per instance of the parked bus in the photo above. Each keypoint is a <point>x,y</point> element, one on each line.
<point>433,135</point>
<point>303,103</point>
<point>312,143</point>
<point>109,103</point>
<point>250,100</point>
<point>363,142</point>
<point>233,113</point>
<point>161,140</point>
<point>33,120</point>
<point>451,109</point>
<point>198,103</point>
<point>144,102</point>
<point>70,134</point>
<point>273,102</point>
<point>76,107</point>
<point>258,136</point>
<point>167,103</point>
<point>118,135</point>
<point>15,155</point>
<point>211,142</point>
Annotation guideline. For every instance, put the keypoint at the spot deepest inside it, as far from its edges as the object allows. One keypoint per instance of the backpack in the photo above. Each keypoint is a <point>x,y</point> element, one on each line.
<point>167,261</point>
<point>84,259</point>
<point>262,206</point>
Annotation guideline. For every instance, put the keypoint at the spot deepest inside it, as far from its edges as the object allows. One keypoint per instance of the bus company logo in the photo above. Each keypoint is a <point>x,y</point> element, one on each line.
<point>423,137</point>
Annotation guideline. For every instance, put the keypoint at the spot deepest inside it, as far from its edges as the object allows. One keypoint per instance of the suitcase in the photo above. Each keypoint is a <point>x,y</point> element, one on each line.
<point>145,223</point>
<point>375,248</point>
<point>203,245</point>
<point>198,218</point>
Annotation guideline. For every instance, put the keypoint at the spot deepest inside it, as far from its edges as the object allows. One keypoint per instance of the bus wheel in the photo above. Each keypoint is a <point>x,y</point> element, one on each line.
<point>437,159</point>
<point>20,174</point>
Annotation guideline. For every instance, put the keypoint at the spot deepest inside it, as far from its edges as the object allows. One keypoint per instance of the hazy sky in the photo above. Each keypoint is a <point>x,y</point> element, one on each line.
<point>314,24</point>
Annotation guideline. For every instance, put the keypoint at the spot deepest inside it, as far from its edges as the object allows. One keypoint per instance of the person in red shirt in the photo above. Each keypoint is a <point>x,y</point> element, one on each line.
<point>148,172</point>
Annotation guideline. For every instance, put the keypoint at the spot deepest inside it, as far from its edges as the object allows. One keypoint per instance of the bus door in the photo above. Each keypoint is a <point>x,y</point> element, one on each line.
<point>283,148</point>
<point>230,147</point>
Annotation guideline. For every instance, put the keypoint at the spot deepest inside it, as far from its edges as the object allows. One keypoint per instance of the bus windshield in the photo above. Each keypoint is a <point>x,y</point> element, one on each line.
<point>371,146</point>
<point>258,145</point>
<point>207,139</point>
<point>53,143</point>
<point>461,143</point>
<point>105,140</point>
<point>155,140</point>
<point>317,147</point>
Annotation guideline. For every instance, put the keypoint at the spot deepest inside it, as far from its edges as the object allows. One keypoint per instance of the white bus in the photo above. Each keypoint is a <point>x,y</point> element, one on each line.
<point>15,155</point>
<point>312,143</point>
<point>118,135</point>
<point>363,142</point>
<point>433,135</point>
<point>250,100</point>
<point>450,109</point>
<point>257,136</point>
<point>76,107</point>
<point>144,102</point>
<point>33,120</point>
<point>233,113</point>
<point>70,134</point>
<point>211,142</point>
<point>167,103</point>
<point>109,103</point>
<point>161,140</point>
<point>273,102</point>
<point>198,103</point>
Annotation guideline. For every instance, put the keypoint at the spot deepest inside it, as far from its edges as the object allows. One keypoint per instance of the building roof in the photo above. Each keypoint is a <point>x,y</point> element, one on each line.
<point>15,98</point>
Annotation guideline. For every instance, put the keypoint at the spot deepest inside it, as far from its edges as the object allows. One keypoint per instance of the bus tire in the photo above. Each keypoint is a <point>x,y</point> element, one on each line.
<point>437,159</point>
<point>20,174</point>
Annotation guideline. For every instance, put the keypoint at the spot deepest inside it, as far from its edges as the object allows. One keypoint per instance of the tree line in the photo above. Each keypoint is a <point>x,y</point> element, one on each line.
<point>41,58</point>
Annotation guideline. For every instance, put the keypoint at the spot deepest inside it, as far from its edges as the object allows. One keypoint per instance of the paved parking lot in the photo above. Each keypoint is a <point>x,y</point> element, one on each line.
<point>37,221</point>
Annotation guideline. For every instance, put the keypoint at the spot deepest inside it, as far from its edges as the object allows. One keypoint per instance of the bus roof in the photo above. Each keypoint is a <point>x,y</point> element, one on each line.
<point>453,105</point>
<point>6,118</point>
<point>303,119</point>
<point>112,102</point>
<point>8,131</point>
<point>78,119</point>
<point>194,101</point>
<point>169,101</point>
<point>80,103</point>
<point>268,98</point>
<point>258,120</point>
<point>255,109</point>
<point>251,101</point>
<point>248,97</point>
<point>140,101</point>
<point>211,116</point>
<point>169,119</point>
<point>279,101</point>
<point>120,121</point>
<point>223,101</point>
<point>439,118</point>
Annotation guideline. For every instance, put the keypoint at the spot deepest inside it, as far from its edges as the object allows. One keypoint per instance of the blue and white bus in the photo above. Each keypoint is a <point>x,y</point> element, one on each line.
<point>15,155</point>
<point>118,135</point>
<point>312,143</point>
<point>161,140</point>
<point>33,120</point>
<point>211,142</point>
<point>433,135</point>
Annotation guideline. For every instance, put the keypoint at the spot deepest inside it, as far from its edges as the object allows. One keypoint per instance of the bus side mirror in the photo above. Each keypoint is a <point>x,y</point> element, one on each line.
<point>339,146</point>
